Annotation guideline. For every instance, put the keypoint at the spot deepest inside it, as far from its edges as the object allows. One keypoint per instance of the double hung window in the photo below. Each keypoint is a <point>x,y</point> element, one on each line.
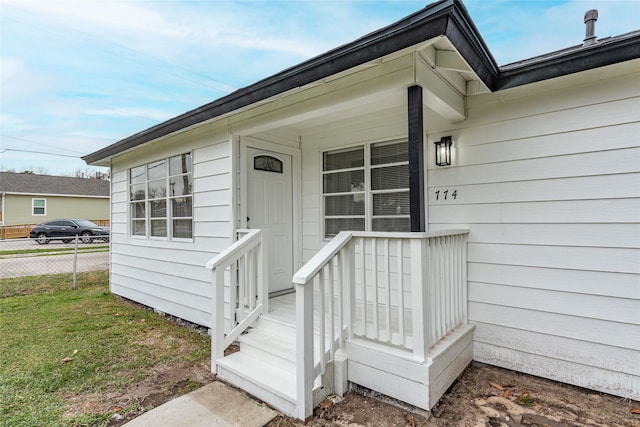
<point>366,188</point>
<point>161,198</point>
<point>38,207</point>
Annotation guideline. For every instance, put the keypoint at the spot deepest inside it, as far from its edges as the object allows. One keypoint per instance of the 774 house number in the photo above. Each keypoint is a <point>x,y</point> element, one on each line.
<point>446,194</point>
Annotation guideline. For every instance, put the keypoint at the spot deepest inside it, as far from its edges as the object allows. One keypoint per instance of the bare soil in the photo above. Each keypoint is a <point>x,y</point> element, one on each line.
<point>160,385</point>
<point>483,396</point>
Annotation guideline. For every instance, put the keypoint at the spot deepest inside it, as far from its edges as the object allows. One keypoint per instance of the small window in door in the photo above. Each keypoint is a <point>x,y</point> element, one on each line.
<point>267,164</point>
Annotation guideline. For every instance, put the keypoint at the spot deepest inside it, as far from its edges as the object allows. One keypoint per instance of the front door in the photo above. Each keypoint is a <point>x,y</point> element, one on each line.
<point>270,208</point>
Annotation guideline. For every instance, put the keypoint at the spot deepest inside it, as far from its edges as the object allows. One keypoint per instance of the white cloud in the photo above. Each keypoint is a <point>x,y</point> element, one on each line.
<point>81,74</point>
<point>12,123</point>
<point>145,113</point>
<point>19,82</point>
<point>98,16</point>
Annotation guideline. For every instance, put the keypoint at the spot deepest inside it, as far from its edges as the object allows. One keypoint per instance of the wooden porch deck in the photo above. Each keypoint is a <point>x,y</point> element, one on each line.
<point>386,311</point>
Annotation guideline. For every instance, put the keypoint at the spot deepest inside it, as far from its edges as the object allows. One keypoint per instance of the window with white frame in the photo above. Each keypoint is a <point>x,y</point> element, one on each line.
<point>366,188</point>
<point>161,198</point>
<point>38,207</point>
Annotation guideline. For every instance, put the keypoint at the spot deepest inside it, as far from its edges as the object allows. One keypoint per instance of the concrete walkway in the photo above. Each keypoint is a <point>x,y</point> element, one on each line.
<point>214,405</point>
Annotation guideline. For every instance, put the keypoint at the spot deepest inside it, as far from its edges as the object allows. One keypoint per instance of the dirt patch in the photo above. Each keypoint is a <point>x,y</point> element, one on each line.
<point>484,396</point>
<point>161,384</point>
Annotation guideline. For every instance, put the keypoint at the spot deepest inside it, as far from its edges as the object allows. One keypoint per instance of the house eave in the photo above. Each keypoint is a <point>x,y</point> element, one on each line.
<point>77,196</point>
<point>444,18</point>
<point>606,52</point>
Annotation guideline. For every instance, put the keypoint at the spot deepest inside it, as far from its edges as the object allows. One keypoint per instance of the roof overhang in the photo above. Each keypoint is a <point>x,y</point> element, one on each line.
<point>605,52</point>
<point>444,18</point>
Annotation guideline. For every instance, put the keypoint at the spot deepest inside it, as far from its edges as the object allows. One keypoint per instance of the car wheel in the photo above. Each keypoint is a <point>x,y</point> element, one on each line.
<point>42,239</point>
<point>86,237</point>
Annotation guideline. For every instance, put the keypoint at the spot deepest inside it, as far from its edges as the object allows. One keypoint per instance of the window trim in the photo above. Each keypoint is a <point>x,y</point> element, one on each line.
<point>33,207</point>
<point>368,193</point>
<point>167,198</point>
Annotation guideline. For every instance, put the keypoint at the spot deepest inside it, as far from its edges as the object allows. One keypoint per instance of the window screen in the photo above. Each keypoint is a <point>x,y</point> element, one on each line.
<point>366,188</point>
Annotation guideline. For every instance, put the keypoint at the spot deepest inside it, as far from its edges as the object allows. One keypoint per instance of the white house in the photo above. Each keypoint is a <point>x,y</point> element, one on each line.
<point>523,252</point>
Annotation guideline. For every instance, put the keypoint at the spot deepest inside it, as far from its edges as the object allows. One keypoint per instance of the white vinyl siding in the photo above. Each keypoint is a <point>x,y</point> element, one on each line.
<point>546,178</point>
<point>549,185</point>
<point>169,275</point>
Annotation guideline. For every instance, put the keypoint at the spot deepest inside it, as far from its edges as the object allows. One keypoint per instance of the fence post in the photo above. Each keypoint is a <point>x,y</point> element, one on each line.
<point>75,261</point>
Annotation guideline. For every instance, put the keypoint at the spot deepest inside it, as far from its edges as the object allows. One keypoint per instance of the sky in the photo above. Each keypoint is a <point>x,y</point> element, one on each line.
<point>78,75</point>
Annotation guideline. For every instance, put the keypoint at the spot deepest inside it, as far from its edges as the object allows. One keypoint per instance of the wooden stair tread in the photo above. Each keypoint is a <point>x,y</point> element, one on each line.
<point>276,380</point>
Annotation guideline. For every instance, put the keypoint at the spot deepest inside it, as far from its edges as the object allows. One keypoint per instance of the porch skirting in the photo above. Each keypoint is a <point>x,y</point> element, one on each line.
<point>394,374</point>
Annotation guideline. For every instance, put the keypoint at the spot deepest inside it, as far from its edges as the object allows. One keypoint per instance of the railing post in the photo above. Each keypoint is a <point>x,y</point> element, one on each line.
<point>304,351</point>
<point>420,289</point>
<point>347,288</point>
<point>465,299</point>
<point>263,274</point>
<point>217,318</point>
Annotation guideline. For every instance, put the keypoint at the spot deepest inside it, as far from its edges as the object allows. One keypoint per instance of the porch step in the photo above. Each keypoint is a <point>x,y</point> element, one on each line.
<point>265,366</point>
<point>277,350</point>
<point>261,379</point>
<point>275,325</point>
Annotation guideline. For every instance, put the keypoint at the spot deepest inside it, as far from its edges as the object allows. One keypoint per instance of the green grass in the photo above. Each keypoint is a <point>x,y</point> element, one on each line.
<point>50,251</point>
<point>36,285</point>
<point>42,321</point>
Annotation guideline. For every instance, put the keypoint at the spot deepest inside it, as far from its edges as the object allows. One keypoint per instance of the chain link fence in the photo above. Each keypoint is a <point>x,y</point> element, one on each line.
<point>25,257</point>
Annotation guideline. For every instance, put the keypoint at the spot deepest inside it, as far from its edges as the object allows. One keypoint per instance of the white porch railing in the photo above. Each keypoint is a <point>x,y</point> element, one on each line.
<point>405,290</point>
<point>242,266</point>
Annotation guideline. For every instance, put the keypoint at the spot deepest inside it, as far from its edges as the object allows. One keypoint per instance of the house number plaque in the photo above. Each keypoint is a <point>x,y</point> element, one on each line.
<point>446,194</point>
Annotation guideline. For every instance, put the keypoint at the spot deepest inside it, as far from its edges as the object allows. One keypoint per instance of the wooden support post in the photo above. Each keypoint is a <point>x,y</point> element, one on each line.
<point>416,158</point>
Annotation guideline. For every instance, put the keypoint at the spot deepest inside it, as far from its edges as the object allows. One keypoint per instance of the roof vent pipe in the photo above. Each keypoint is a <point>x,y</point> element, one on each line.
<point>590,19</point>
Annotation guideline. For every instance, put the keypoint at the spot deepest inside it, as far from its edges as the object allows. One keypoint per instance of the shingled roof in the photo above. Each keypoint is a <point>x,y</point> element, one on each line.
<point>26,183</point>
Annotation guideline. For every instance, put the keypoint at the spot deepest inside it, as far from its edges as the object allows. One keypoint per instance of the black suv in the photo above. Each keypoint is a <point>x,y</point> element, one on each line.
<point>67,229</point>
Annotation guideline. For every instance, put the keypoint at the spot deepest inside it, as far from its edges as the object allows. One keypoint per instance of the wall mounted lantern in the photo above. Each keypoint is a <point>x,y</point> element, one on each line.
<point>443,151</point>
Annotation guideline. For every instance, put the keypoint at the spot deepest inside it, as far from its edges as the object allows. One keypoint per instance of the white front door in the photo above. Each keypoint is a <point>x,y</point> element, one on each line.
<point>270,208</point>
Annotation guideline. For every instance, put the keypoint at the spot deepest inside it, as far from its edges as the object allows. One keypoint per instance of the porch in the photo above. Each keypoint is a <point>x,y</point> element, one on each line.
<point>383,310</point>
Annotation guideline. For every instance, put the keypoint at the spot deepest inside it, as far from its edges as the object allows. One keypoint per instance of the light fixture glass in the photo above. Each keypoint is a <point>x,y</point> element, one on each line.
<point>443,151</point>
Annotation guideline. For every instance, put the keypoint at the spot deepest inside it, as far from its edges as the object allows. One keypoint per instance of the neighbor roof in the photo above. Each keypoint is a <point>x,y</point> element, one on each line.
<point>447,18</point>
<point>26,183</point>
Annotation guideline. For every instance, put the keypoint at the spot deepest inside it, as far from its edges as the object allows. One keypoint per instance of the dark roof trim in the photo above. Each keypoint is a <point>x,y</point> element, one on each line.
<point>445,17</point>
<point>572,60</point>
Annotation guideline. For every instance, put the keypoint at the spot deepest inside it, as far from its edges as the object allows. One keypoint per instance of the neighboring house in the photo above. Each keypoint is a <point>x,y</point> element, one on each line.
<point>544,174</point>
<point>31,199</point>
